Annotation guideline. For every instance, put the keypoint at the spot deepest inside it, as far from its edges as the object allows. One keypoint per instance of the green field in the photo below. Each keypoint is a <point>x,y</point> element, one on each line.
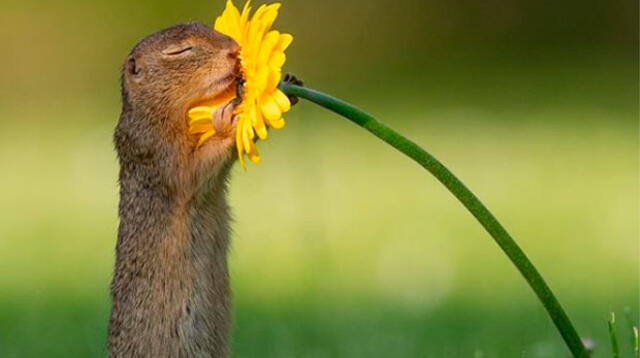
<point>342,248</point>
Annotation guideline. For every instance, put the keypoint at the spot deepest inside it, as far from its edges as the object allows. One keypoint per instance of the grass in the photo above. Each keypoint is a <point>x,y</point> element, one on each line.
<point>341,249</point>
<point>613,336</point>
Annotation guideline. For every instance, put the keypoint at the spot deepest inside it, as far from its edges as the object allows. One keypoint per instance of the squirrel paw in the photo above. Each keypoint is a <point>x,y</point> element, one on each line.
<point>292,80</point>
<point>223,118</point>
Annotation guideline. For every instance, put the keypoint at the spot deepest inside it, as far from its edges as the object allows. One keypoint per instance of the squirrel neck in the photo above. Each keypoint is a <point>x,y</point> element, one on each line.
<point>170,289</point>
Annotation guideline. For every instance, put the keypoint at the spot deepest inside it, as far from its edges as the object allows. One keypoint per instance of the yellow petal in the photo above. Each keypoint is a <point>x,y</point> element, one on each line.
<point>245,15</point>
<point>200,128</point>
<point>250,131</point>
<point>252,34</point>
<point>270,15</point>
<point>277,60</point>
<point>239,144</point>
<point>270,41</point>
<point>200,121</point>
<point>253,154</point>
<point>252,151</point>
<point>247,141</point>
<point>255,157</point>
<point>284,42</point>
<point>282,100</point>
<point>200,113</point>
<point>270,109</point>
<point>261,79</point>
<point>274,79</point>
<point>258,124</point>
<point>229,22</point>
<point>278,124</point>
<point>206,136</point>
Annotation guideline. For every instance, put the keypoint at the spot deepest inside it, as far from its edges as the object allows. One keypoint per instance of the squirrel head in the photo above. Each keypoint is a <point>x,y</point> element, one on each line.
<point>179,66</point>
<point>164,76</point>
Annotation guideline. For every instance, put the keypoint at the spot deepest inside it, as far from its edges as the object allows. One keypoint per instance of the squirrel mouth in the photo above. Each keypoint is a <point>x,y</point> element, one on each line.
<point>220,91</point>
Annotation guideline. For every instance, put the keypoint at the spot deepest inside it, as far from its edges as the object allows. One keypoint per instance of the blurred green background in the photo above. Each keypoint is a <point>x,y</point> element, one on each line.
<point>342,247</point>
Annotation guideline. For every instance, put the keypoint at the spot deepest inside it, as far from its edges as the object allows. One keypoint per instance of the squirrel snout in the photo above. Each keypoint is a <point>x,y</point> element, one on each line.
<point>234,51</point>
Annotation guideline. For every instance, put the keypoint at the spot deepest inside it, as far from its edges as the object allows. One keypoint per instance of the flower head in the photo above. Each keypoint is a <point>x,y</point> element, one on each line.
<point>261,60</point>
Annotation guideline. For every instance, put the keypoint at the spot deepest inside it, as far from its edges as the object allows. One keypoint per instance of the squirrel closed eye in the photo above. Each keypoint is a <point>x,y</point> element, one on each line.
<point>173,51</point>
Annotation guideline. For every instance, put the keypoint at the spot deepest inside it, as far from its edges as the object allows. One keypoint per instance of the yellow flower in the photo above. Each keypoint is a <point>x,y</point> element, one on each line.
<point>261,59</point>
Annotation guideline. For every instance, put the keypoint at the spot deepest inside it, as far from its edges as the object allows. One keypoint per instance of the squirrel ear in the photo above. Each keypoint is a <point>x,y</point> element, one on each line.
<point>132,68</point>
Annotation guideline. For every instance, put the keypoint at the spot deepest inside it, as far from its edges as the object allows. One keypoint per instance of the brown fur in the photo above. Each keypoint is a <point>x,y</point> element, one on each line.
<point>171,284</point>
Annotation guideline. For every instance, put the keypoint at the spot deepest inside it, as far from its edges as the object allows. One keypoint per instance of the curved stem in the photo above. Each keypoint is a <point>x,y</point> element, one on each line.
<point>465,196</point>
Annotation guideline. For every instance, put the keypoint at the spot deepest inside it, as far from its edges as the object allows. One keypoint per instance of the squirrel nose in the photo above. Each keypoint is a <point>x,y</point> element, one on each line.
<point>234,51</point>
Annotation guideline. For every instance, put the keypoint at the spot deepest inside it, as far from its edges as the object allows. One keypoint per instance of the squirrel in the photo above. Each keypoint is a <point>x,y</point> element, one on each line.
<point>170,290</point>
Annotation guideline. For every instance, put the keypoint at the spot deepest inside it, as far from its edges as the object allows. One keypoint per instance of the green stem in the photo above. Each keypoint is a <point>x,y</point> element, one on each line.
<point>466,197</point>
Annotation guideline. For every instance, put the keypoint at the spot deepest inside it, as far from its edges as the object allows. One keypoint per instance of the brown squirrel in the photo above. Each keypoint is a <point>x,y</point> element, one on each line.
<point>170,289</point>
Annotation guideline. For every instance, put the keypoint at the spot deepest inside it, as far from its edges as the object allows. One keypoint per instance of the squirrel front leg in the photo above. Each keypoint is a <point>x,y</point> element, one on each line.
<point>218,151</point>
<point>291,79</point>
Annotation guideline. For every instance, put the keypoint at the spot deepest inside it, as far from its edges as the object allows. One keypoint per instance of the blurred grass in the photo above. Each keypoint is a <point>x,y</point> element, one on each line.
<point>341,247</point>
